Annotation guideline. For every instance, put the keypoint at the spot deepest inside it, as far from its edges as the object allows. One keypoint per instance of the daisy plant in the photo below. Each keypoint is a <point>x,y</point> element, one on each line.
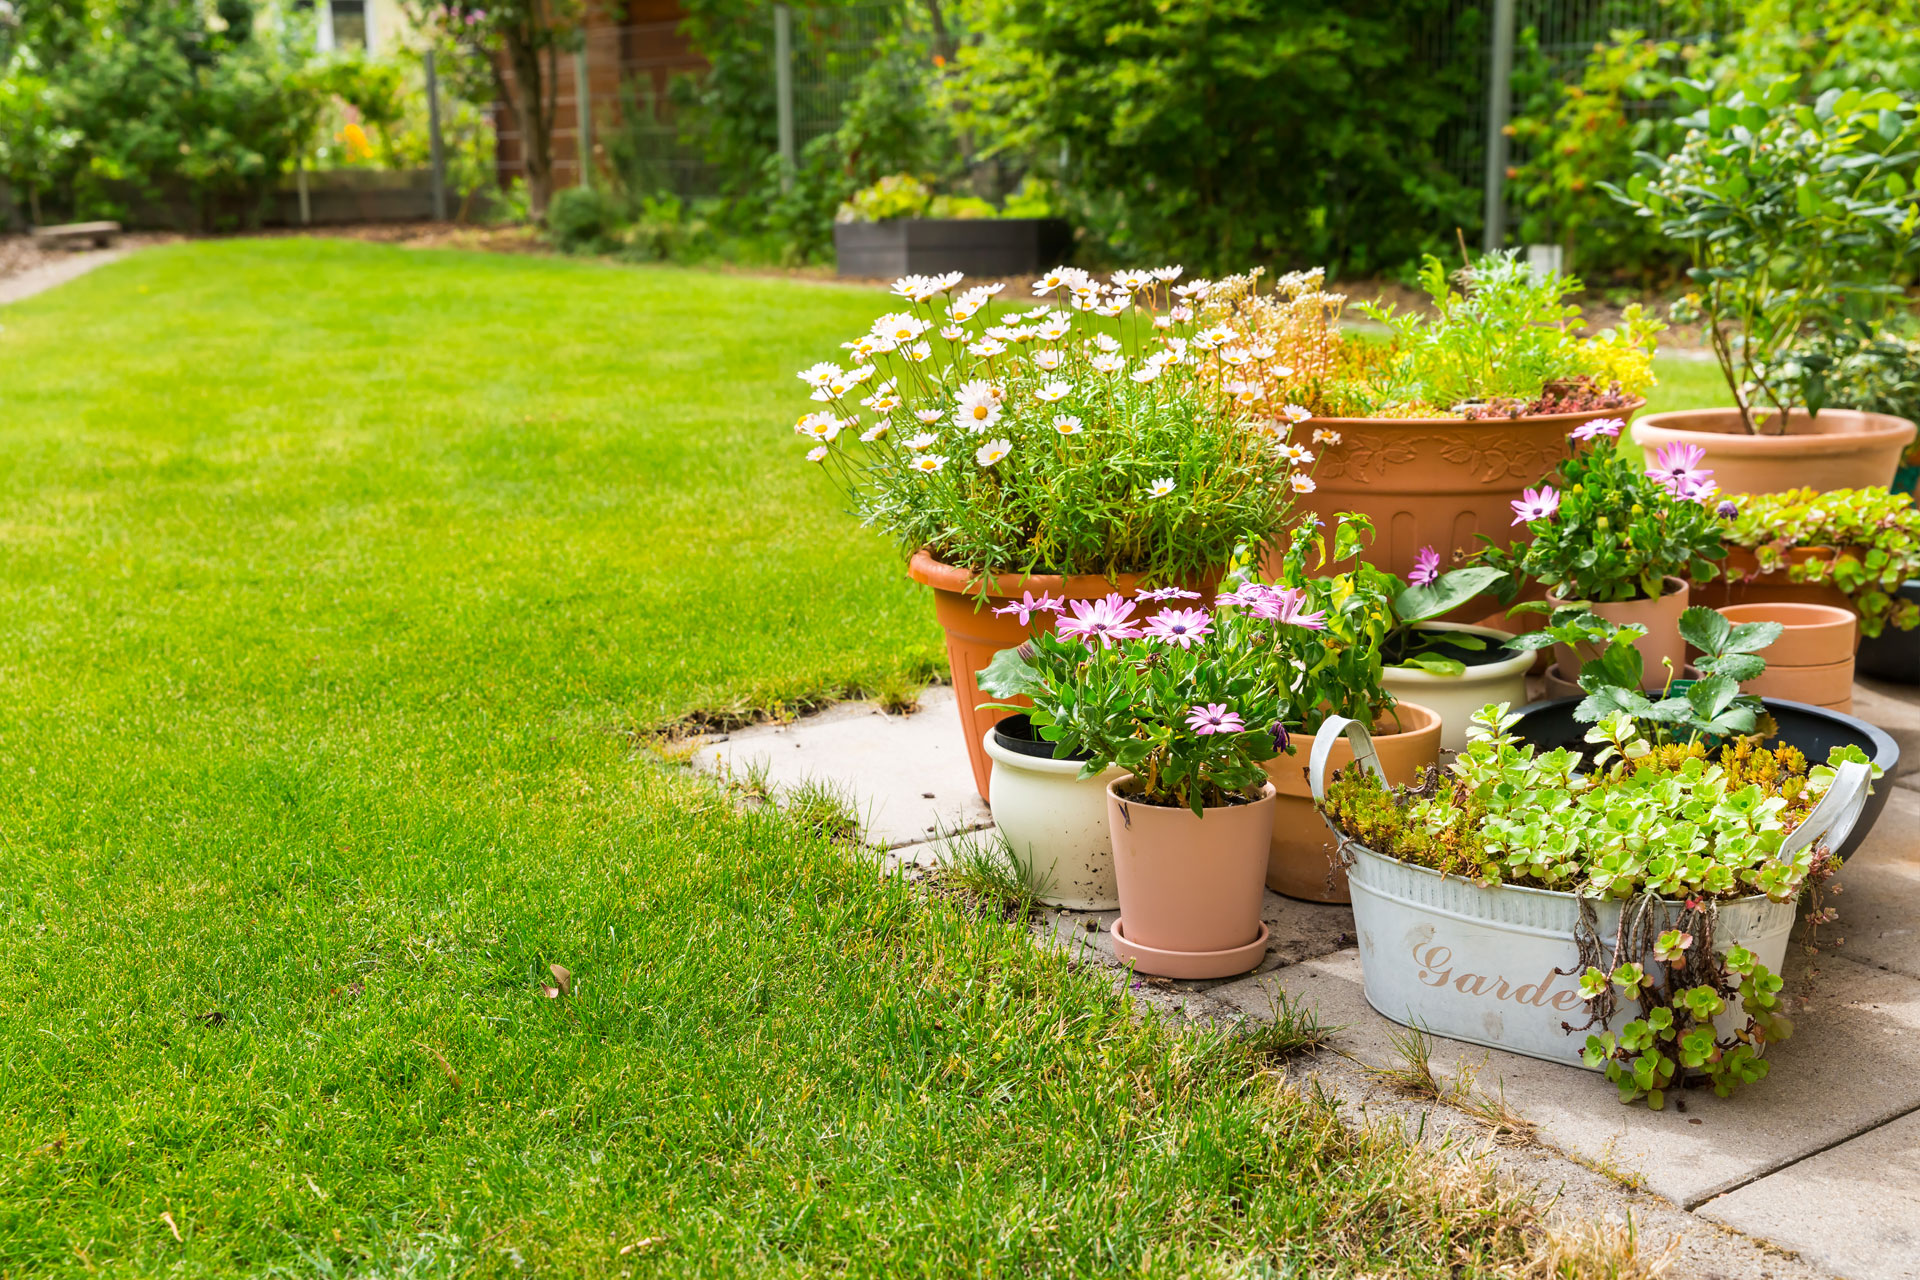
<point>1104,429</point>
<point>1606,528</point>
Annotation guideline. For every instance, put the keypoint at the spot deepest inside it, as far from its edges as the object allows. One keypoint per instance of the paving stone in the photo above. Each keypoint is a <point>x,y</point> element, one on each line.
<point>1896,709</point>
<point>1854,1209</point>
<point>907,775</point>
<point>1879,898</point>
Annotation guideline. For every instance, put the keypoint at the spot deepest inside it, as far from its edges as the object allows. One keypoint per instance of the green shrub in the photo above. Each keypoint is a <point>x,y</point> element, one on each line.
<point>585,220</point>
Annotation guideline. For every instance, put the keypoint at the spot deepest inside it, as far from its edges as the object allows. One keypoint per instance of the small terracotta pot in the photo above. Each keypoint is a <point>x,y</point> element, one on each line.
<point>975,632</point>
<point>1301,861</point>
<point>1834,449</point>
<point>1190,892</point>
<point>1436,482</point>
<point>1660,617</point>
<point>1812,661</point>
<point>1558,686</point>
<point>1741,582</point>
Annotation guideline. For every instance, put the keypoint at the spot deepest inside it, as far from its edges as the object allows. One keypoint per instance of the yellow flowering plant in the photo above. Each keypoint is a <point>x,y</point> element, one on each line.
<point>1106,429</point>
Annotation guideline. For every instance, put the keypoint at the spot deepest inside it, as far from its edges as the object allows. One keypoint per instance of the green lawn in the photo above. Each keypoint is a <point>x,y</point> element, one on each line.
<point>335,584</point>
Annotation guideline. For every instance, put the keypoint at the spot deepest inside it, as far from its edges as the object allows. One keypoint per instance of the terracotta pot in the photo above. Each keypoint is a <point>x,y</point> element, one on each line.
<point>1301,861</point>
<point>1741,582</point>
<point>1835,449</point>
<point>1558,686</point>
<point>1812,661</point>
<point>1435,481</point>
<point>1190,893</point>
<point>975,633</point>
<point>1660,617</point>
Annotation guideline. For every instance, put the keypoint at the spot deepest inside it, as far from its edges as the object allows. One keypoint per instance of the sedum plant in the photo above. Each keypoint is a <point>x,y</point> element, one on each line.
<point>1607,527</point>
<point>1106,430</point>
<point>1874,537</point>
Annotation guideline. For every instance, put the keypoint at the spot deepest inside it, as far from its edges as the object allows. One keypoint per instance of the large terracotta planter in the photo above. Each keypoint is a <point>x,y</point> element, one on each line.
<point>1834,449</point>
<point>1742,582</point>
<point>1503,678</point>
<point>1436,482</point>
<point>1190,892</point>
<point>1812,661</point>
<point>1660,617</point>
<point>975,632</point>
<point>1054,820</point>
<point>1301,859</point>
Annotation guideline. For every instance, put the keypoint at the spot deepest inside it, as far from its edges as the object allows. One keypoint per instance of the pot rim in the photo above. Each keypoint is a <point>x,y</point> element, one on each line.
<point>1575,418</point>
<point>1267,793</point>
<point>924,568</point>
<point>1880,430</point>
<point>1048,765</point>
<point>1681,585</point>
<point>1486,672</point>
<point>1818,617</point>
<point>1886,752</point>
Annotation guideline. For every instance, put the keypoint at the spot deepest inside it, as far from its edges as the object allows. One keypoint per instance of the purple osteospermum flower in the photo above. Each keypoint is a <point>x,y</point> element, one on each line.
<point>1702,490</point>
<point>1286,606</point>
<point>1534,504</point>
<point>1028,605</point>
<point>1247,595</point>
<point>1677,466</point>
<point>1178,626</point>
<point>1165,593</point>
<point>1426,567</point>
<point>1214,718</point>
<point>1280,736</point>
<point>1727,509</point>
<point>1597,428</point>
<point>1100,621</point>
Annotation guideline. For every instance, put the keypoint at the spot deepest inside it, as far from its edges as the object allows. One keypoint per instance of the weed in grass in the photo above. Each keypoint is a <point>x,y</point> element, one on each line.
<point>1598,1249</point>
<point>982,870</point>
<point>1291,1028</point>
<point>1412,1074</point>
<point>824,807</point>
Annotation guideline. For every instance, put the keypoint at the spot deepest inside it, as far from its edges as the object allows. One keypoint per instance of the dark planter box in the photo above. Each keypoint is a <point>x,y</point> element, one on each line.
<point>1892,655</point>
<point>928,246</point>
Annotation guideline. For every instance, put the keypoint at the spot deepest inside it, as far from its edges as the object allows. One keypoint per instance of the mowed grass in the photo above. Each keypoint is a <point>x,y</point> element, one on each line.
<point>338,585</point>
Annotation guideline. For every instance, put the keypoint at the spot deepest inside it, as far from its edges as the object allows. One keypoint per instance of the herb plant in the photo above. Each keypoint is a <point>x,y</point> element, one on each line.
<point>1874,536</point>
<point>1606,528</point>
<point>1112,434</point>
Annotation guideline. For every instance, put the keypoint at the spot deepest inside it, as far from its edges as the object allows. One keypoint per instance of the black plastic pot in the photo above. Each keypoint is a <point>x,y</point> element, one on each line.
<point>1814,730</point>
<point>1017,734</point>
<point>1892,655</point>
<point>929,246</point>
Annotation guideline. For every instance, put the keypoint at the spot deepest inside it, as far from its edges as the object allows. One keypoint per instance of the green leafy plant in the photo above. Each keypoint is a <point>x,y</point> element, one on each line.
<point>1107,437</point>
<point>1427,596</point>
<point>1871,538</point>
<point>1607,528</point>
<point>1793,215</point>
<point>585,220</point>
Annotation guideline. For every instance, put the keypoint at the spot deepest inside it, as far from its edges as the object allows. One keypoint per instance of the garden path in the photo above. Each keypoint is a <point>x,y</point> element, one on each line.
<point>1816,1171</point>
<point>52,271</point>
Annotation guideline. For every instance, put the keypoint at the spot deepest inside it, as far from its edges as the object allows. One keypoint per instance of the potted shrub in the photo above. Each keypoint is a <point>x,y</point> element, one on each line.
<point>1711,710</point>
<point>1851,548</point>
<point>899,226</point>
<point>1793,214</point>
<point>1523,904</point>
<point>1021,457</point>
<point>1181,701</point>
<point>1432,434</point>
<point>1452,668</point>
<point>1617,539</point>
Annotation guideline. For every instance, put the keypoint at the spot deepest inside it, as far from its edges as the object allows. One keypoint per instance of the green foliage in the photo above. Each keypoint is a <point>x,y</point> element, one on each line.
<point>584,220</point>
<point>1872,538</point>
<point>902,195</point>
<point>1202,132</point>
<point>1794,217</point>
<point>1616,532</point>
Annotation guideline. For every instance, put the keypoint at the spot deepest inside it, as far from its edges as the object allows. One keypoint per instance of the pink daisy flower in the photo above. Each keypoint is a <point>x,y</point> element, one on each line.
<point>1677,466</point>
<point>1178,626</point>
<point>1214,718</point>
<point>1534,504</point>
<point>1426,567</point>
<point>1288,606</point>
<point>1164,593</point>
<point>1028,605</point>
<point>1597,428</point>
<point>1247,595</point>
<point>1100,621</point>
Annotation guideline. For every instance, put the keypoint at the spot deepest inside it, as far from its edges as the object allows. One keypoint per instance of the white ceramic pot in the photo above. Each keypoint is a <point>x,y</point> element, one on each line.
<point>1498,966</point>
<point>1456,698</point>
<point>1056,824</point>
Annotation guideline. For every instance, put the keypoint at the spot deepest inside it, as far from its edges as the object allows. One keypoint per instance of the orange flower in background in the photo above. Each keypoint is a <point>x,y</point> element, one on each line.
<point>355,140</point>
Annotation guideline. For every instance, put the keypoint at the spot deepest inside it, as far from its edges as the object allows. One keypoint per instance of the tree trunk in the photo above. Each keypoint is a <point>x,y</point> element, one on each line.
<point>536,122</point>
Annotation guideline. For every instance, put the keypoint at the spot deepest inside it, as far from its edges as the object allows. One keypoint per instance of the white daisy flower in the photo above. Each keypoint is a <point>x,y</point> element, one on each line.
<point>1132,280</point>
<point>925,440</point>
<point>1038,313</point>
<point>1266,351</point>
<point>1106,342</point>
<point>928,416</point>
<point>1244,393</point>
<point>987,348</point>
<point>1163,322</point>
<point>1047,283</point>
<point>1053,392</point>
<point>1298,454</point>
<point>929,463</point>
<point>863,374</point>
<point>1002,333</point>
<point>1145,373</point>
<point>992,451</point>
<point>1055,329</point>
<point>1046,360</point>
<point>961,312</point>
<point>1234,356</point>
<point>899,326</point>
<point>1297,413</point>
<point>978,407</point>
<point>820,374</point>
<point>953,333</point>
<point>1167,275</point>
<point>1302,482</point>
<point>817,454</point>
<point>949,279</point>
<point>818,426</point>
<point>1182,313</point>
<point>1325,436</point>
<point>1108,363</point>
<point>919,351</point>
<point>1118,307</point>
<point>1161,488</point>
<point>882,404</point>
<point>875,431</point>
<point>1067,425</point>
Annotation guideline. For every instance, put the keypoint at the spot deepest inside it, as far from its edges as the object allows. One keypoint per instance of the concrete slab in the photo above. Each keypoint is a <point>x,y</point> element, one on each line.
<point>907,775</point>
<point>56,272</point>
<point>1298,931</point>
<point>1854,1209</point>
<point>1879,898</point>
<point>1896,709</point>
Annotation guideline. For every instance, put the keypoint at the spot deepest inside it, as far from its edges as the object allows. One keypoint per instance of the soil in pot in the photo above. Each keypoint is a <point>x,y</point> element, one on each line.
<point>1053,820</point>
<point>1892,655</point>
<point>1493,674</point>
<point>1812,661</point>
<point>1661,618</point>
<point>1190,885</point>
<point>1814,730</point>
<point>1302,860</point>
<point>1834,449</point>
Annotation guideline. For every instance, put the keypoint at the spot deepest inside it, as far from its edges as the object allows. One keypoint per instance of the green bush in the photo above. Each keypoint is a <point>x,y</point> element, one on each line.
<point>585,220</point>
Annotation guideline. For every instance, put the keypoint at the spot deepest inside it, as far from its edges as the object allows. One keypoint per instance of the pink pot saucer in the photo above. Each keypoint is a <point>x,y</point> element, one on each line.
<point>1190,964</point>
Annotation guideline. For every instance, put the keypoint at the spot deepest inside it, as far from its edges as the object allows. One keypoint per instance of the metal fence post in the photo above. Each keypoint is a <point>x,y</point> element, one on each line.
<point>436,151</point>
<point>583,111</point>
<point>1499,107</point>
<point>783,90</point>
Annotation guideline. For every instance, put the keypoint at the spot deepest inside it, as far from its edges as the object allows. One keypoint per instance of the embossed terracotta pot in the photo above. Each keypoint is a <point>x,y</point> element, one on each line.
<point>1190,892</point>
<point>975,632</point>
<point>1833,449</point>
<point>1436,482</point>
<point>1494,965</point>
<point>1812,661</point>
